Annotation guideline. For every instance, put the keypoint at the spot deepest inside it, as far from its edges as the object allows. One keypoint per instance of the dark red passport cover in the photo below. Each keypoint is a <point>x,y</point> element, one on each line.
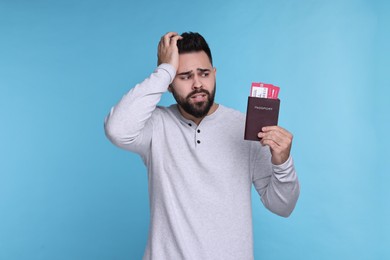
<point>260,112</point>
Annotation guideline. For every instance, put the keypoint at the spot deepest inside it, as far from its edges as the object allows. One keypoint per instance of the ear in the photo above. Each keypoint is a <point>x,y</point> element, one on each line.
<point>215,70</point>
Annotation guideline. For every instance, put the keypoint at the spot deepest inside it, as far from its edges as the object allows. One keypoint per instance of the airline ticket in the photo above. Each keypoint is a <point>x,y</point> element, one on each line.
<point>264,90</point>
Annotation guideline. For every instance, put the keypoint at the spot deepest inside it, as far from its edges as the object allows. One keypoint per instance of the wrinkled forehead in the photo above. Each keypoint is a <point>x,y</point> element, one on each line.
<point>193,61</point>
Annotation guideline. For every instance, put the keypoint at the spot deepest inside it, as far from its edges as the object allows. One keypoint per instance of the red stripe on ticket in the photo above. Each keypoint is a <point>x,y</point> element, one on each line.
<point>264,90</point>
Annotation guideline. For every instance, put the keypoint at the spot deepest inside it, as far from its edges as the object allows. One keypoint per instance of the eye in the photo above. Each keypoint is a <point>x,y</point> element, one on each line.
<point>186,77</point>
<point>204,74</point>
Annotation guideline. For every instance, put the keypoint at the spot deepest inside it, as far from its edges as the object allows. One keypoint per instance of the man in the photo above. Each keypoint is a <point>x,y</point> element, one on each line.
<point>200,168</point>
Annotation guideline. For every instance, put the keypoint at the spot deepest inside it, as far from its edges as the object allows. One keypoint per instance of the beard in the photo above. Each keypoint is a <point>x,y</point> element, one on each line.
<point>196,109</point>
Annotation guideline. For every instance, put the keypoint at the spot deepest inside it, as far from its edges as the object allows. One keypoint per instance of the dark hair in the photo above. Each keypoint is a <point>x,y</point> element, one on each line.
<point>193,42</point>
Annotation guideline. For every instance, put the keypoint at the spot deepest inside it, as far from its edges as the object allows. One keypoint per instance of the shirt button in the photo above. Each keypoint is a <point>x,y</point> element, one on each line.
<point>198,142</point>
<point>190,124</point>
<point>198,131</point>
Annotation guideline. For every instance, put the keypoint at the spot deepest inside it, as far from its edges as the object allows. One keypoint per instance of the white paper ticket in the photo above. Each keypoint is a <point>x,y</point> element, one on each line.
<point>263,90</point>
<point>259,92</point>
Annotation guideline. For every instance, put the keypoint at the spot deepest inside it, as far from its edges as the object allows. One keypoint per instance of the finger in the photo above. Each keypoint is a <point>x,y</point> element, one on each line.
<point>161,42</point>
<point>167,37</point>
<point>277,152</point>
<point>159,50</point>
<point>174,40</point>
<point>275,137</point>
<point>277,129</point>
<point>280,139</point>
<point>271,144</point>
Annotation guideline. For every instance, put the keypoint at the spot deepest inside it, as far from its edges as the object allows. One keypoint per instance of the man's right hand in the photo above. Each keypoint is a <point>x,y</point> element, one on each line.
<point>168,51</point>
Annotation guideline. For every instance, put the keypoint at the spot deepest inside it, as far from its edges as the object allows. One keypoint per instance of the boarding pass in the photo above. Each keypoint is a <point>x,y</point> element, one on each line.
<point>264,90</point>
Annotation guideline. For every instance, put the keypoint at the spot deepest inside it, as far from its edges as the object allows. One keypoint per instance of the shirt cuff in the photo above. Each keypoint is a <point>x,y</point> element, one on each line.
<point>169,69</point>
<point>284,167</point>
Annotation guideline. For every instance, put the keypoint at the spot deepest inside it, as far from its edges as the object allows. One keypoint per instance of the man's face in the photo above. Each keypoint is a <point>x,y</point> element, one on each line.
<point>194,85</point>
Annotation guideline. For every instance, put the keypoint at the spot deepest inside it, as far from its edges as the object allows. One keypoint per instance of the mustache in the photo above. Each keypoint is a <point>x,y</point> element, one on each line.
<point>198,91</point>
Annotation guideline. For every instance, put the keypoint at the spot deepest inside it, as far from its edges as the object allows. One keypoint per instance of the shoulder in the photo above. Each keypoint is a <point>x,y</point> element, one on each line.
<point>231,114</point>
<point>165,113</point>
<point>230,119</point>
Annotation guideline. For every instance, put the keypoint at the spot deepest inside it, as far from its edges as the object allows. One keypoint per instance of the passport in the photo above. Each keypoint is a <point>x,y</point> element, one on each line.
<point>260,112</point>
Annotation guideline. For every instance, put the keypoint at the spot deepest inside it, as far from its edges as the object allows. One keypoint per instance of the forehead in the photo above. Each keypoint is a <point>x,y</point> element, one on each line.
<point>193,61</point>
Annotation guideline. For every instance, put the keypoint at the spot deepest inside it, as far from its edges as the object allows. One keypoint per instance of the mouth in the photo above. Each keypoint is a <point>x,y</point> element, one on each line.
<point>199,97</point>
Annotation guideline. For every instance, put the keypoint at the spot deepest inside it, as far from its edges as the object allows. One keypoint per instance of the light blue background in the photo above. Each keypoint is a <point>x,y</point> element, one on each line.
<point>67,193</point>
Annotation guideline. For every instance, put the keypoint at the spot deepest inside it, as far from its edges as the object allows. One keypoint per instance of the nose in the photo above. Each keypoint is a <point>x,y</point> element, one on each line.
<point>197,84</point>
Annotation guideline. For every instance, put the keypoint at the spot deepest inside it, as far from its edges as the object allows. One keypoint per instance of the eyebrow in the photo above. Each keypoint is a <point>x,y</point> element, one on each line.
<point>189,72</point>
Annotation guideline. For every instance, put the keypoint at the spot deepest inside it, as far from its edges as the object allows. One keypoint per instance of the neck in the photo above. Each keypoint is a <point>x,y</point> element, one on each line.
<point>197,120</point>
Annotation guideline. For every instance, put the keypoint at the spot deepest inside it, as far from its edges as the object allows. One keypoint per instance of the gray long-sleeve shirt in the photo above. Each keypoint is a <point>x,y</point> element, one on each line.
<point>200,176</point>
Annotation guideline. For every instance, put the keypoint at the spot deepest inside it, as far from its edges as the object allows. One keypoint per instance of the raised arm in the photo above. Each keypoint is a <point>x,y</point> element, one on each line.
<point>274,175</point>
<point>126,123</point>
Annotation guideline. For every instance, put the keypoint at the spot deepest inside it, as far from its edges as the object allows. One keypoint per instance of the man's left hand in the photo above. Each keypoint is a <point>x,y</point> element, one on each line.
<point>279,141</point>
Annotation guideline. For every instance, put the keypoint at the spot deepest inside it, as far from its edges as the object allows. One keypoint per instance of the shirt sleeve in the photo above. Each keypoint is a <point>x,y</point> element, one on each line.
<point>277,185</point>
<point>129,124</point>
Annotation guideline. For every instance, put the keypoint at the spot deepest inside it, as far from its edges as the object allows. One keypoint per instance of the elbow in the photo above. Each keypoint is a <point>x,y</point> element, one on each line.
<point>283,211</point>
<point>111,134</point>
<point>286,213</point>
<point>290,203</point>
<point>109,130</point>
<point>283,205</point>
<point>115,134</point>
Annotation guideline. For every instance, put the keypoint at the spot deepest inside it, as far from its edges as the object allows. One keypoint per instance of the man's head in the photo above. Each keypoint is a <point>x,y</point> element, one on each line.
<point>193,42</point>
<point>194,85</point>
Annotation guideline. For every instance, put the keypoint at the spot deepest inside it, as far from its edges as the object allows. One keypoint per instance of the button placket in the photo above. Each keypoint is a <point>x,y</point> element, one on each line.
<point>197,136</point>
